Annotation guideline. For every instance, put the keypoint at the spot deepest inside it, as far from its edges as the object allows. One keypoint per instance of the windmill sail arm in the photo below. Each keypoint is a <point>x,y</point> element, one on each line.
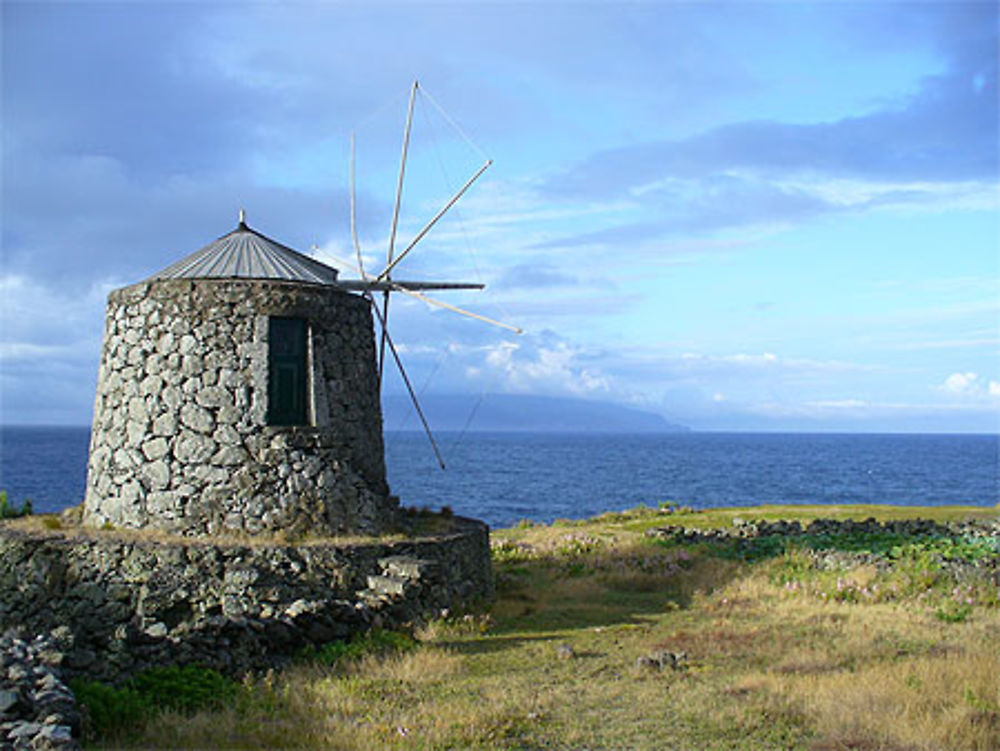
<point>370,285</point>
<point>367,283</point>
<point>427,228</point>
<point>460,311</point>
<point>402,172</point>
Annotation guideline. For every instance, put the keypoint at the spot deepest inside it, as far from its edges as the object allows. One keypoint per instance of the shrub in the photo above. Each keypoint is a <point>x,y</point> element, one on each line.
<point>10,511</point>
<point>109,710</point>
<point>120,710</point>
<point>184,689</point>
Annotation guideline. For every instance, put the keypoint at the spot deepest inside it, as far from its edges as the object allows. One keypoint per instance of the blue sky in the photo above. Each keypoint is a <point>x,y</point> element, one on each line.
<point>752,216</point>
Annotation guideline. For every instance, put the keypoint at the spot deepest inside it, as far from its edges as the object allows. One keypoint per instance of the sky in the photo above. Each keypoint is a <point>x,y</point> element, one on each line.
<point>741,216</point>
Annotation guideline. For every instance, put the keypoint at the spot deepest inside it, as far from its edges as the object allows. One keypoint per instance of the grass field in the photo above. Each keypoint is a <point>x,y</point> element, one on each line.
<point>605,637</point>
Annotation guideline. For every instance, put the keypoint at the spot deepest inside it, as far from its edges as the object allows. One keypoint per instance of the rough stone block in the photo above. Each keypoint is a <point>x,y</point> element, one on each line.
<point>156,448</point>
<point>197,418</point>
<point>156,475</point>
<point>193,448</point>
<point>165,425</point>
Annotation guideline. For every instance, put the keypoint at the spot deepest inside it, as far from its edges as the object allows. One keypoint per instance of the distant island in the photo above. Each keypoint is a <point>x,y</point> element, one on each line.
<point>522,412</point>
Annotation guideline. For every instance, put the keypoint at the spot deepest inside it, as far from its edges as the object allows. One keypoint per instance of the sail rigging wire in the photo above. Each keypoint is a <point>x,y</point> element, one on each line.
<point>427,382</point>
<point>354,214</point>
<point>406,380</point>
<point>446,176</point>
<point>468,421</point>
<point>389,103</point>
<point>469,247</point>
<point>426,94</point>
<point>427,228</point>
<point>486,390</point>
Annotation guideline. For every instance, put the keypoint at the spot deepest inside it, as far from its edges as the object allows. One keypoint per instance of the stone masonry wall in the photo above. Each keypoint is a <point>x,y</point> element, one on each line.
<point>180,440</point>
<point>131,603</point>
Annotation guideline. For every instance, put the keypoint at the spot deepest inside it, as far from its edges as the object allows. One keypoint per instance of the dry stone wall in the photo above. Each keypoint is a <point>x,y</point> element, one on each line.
<point>180,439</point>
<point>129,603</point>
<point>37,710</point>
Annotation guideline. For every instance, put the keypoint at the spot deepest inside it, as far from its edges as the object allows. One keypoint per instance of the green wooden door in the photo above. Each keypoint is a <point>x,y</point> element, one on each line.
<point>286,391</point>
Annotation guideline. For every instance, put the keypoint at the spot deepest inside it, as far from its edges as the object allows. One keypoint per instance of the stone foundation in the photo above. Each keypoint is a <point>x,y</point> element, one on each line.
<point>131,603</point>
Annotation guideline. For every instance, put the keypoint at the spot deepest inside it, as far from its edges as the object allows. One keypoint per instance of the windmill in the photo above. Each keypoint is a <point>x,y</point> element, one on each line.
<point>383,282</point>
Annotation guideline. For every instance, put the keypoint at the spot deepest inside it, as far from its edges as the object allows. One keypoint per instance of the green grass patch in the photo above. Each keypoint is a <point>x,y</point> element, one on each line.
<point>374,642</point>
<point>120,711</point>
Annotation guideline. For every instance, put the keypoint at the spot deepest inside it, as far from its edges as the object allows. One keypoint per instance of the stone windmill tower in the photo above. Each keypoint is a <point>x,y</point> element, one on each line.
<point>238,392</point>
<point>239,389</point>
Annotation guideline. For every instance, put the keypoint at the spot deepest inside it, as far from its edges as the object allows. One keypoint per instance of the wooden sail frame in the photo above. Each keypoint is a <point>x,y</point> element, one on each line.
<point>383,282</point>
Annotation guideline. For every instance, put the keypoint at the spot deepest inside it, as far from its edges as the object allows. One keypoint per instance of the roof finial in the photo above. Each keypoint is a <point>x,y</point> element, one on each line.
<point>243,218</point>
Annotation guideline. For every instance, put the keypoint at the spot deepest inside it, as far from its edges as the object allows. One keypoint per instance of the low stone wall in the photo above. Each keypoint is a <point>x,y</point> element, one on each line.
<point>744,532</point>
<point>37,710</point>
<point>132,603</point>
<point>752,528</point>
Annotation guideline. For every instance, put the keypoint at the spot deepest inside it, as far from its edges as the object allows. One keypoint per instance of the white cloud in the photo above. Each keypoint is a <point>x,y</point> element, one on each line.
<point>545,368</point>
<point>36,315</point>
<point>50,344</point>
<point>970,386</point>
<point>961,383</point>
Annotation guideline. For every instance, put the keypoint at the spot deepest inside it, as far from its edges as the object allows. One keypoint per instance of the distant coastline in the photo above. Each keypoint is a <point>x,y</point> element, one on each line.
<point>523,413</point>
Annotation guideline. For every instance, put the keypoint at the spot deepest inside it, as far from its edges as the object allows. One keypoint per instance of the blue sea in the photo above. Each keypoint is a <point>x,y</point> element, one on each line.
<point>505,477</point>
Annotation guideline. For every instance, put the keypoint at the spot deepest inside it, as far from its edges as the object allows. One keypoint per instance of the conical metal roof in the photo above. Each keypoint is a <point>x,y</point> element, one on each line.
<point>247,254</point>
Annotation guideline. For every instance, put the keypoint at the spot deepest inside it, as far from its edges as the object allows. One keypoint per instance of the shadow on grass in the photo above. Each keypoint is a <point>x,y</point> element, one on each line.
<point>552,593</point>
<point>494,642</point>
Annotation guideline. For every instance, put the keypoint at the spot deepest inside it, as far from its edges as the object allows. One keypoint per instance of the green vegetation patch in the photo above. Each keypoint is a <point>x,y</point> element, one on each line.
<point>119,711</point>
<point>9,511</point>
<point>951,571</point>
<point>374,642</point>
<point>889,546</point>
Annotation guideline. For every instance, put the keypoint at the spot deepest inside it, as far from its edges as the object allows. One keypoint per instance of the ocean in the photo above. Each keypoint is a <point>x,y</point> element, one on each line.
<point>503,478</point>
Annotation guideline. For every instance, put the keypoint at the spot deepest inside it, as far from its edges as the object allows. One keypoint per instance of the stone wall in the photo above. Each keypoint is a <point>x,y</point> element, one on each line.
<point>132,603</point>
<point>37,710</point>
<point>180,440</point>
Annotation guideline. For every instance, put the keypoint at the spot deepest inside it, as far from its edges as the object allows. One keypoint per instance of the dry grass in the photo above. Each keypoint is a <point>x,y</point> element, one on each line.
<point>766,667</point>
<point>874,676</point>
<point>928,703</point>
